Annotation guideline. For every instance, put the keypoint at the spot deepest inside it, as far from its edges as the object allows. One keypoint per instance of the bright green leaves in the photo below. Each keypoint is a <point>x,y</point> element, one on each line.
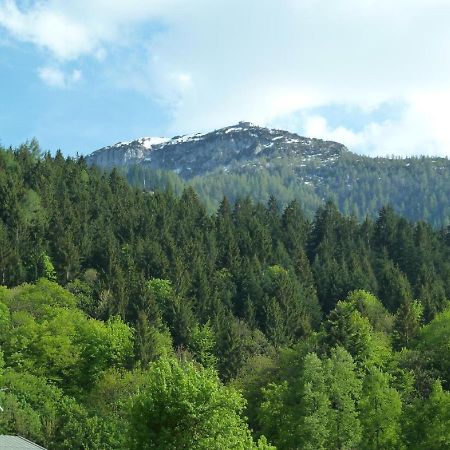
<point>381,409</point>
<point>47,268</point>
<point>47,335</point>
<point>433,342</point>
<point>317,409</point>
<point>185,407</point>
<point>346,327</point>
<point>428,421</point>
<point>202,345</point>
<point>344,391</point>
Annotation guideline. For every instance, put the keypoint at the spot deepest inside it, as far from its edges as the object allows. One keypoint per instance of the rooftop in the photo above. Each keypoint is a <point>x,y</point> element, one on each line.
<point>17,443</point>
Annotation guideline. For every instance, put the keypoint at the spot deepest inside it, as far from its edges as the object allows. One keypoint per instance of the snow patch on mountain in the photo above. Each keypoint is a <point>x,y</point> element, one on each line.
<point>149,142</point>
<point>231,147</point>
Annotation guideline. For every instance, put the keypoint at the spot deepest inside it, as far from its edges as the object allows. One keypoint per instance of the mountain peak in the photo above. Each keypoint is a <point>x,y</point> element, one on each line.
<point>227,148</point>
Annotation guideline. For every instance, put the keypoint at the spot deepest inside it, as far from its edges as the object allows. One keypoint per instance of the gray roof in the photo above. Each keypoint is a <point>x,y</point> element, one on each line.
<point>17,443</point>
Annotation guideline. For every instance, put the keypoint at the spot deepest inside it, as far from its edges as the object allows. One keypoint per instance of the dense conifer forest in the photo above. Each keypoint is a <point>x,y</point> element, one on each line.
<point>416,187</point>
<point>142,320</point>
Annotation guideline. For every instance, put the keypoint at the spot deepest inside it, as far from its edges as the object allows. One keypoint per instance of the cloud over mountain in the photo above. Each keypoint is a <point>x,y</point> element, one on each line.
<point>272,61</point>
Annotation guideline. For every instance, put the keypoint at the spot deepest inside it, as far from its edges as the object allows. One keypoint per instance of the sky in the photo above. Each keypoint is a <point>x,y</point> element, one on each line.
<point>371,74</point>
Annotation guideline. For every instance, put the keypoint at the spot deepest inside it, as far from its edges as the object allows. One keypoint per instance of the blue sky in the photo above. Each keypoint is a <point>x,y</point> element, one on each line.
<point>81,74</point>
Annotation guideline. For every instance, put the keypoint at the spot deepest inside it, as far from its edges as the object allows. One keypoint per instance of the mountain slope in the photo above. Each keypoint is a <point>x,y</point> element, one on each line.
<point>234,146</point>
<point>247,160</point>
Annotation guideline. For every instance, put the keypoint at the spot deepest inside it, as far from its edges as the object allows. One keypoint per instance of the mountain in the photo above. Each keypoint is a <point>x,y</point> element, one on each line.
<point>236,146</point>
<point>248,160</point>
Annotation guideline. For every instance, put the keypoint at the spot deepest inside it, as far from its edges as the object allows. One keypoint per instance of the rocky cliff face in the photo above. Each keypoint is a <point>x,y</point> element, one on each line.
<point>228,148</point>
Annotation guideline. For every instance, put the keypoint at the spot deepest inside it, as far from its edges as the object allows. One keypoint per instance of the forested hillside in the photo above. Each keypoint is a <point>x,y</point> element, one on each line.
<point>134,319</point>
<point>248,160</point>
<point>417,188</point>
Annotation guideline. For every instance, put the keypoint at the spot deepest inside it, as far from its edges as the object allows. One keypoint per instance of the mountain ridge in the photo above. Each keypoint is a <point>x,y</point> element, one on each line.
<point>196,154</point>
<point>245,160</point>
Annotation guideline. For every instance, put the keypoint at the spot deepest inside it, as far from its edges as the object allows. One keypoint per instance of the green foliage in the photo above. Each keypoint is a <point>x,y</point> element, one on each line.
<point>313,430</point>
<point>48,270</point>
<point>316,408</point>
<point>381,409</point>
<point>369,306</point>
<point>184,407</point>
<point>153,341</point>
<point>360,185</point>
<point>433,342</point>
<point>303,412</point>
<point>47,335</point>
<point>202,345</point>
<point>346,327</point>
<point>107,285</point>
<point>395,289</point>
<point>344,387</point>
<point>428,421</point>
<point>407,322</point>
<point>39,411</point>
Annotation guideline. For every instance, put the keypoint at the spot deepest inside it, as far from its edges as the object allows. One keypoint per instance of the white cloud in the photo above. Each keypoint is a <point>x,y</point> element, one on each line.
<point>55,77</point>
<point>48,29</point>
<point>420,130</point>
<point>69,29</point>
<point>271,59</point>
<point>214,63</point>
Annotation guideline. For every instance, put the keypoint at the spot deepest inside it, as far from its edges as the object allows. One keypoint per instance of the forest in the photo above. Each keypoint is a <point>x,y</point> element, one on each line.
<point>416,187</point>
<point>144,320</point>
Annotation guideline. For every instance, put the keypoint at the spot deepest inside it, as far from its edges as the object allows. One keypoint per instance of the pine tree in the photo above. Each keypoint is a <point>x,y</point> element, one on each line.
<point>407,323</point>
